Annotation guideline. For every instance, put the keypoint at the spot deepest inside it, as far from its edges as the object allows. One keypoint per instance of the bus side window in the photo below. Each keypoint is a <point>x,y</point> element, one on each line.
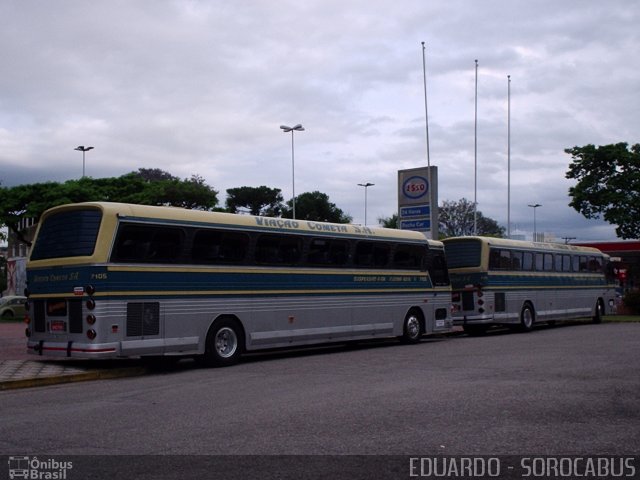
<point>213,246</point>
<point>278,249</point>
<point>409,256</point>
<point>548,262</point>
<point>516,260</point>
<point>539,261</point>
<point>142,243</point>
<point>494,259</point>
<point>566,263</point>
<point>595,264</point>
<point>166,245</point>
<point>324,251</point>
<point>372,254</point>
<point>584,264</point>
<point>527,261</point>
<point>576,263</point>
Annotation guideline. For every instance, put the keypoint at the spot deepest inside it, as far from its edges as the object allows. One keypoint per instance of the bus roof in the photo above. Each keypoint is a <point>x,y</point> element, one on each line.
<point>177,214</point>
<point>505,242</point>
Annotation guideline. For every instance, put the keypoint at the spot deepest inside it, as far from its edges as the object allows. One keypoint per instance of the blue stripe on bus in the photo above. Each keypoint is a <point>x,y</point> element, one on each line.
<point>65,281</point>
<point>496,280</point>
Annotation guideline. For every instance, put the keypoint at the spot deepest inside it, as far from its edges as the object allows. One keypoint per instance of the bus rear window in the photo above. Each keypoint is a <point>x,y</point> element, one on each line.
<point>67,234</point>
<point>463,254</point>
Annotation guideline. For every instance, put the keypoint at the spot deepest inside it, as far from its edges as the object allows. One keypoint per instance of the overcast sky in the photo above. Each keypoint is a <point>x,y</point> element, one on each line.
<point>201,87</point>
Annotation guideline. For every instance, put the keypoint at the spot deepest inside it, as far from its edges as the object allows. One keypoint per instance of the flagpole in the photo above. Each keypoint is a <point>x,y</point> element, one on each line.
<point>508,156</point>
<point>475,160</point>
<point>426,117</point>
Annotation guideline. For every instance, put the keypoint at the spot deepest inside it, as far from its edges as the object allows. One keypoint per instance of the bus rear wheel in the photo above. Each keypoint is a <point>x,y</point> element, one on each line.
<point>412,327</point>
<point>225,342</point>
<point>527,317</point>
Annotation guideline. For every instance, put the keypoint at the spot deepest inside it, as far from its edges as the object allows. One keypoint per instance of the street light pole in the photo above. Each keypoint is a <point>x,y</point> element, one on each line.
<point>286,129</point>
<point>83,149</point>
<point>366,187</point>
<point>534,206</point>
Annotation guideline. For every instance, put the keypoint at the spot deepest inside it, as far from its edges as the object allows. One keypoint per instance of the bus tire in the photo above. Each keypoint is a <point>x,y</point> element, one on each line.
<point>225,343</point>
<point>412,327</point>
<point>598,312</point>
<point>527,318</point>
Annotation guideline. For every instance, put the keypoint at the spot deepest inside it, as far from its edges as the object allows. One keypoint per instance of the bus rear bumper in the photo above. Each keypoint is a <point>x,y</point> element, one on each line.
<point>73,349</point>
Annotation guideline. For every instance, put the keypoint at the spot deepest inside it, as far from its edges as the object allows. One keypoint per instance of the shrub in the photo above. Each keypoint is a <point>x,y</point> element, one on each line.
<point>631,301</point>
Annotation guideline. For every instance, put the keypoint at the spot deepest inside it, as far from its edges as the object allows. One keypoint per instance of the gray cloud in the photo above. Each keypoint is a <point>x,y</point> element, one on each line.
<point>197,87</point>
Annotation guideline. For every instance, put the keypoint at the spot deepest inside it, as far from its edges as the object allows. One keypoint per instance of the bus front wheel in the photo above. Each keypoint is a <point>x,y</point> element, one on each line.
<point>527,318</point>
<point>225,342</point>
<point>412,328</point>
<point>599,312</point>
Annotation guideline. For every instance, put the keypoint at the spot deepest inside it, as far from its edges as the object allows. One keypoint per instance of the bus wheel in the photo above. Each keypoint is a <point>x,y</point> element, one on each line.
<point>527,318</point>
<point>412,328</point>
<point>599,312</point>
<point>225,342</point>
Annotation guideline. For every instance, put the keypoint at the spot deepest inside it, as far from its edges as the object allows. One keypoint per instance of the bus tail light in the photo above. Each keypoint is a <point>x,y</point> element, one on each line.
<point>91,304</point>
<point>480,294</point>
<point>91,319</point>
<point>90,289</point>
<point>91,334</point>
<point>480,302</point>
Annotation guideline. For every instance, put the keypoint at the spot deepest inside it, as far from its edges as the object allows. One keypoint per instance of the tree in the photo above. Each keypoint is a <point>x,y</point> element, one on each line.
<point>315,206</point>
<point>30,201</point>
<point>608,185</point>
<point>258,200</point>
<point>457,218</point>
<point>391,222</point>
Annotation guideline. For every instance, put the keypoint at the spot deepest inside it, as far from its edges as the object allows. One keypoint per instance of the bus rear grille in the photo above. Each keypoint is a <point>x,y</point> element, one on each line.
<point>143,319</point>
<point>75,316</point>
<point>467,301</point>
<point>38,316</point>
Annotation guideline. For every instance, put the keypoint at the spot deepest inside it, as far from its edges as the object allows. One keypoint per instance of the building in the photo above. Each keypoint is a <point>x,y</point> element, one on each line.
<point>625,255</point>
<point>17,254</point>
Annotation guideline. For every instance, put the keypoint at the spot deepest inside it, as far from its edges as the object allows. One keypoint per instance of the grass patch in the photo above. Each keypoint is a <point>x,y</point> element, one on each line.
<point>622,318</point>
<point>11,320</point>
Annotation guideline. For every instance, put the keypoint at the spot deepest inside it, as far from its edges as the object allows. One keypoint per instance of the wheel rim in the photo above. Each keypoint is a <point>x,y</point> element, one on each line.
<point>413,327</point>
<point>527,318</point>
<point>226,342</point>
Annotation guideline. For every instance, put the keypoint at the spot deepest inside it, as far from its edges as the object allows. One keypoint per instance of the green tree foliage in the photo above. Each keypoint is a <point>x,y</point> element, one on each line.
<point>316,206</point>
<point>257,200</point>
<point>456,219</point>
<point>608,185</point>
<point>30,201</point>
<point>391,222</point>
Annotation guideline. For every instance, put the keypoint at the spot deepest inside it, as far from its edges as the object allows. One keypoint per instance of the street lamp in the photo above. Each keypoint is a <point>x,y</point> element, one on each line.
<point>366,187</point>
<point>534,206</point>
<point>83,149</point>
<point>286,129</point>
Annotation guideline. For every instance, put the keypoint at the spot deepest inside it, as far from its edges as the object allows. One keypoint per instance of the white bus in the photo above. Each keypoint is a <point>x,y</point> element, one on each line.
<point>517,283</point>
<point>120,280</point>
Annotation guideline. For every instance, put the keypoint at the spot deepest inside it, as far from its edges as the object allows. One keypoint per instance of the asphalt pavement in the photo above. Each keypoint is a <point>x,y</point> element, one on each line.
<point>19,369</point>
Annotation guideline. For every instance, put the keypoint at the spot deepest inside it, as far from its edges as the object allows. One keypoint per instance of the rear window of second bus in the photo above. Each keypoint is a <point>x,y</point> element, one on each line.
<point>463,254</point>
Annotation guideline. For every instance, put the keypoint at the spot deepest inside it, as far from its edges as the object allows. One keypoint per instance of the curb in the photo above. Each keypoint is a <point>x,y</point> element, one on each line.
<point>73,377</point>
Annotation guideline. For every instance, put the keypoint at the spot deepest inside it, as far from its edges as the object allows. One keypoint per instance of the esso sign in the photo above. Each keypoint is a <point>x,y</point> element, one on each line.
<point>415,187</point>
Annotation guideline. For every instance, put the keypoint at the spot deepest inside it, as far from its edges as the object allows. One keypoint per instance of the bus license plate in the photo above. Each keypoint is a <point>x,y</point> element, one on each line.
<point>58,326</point>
